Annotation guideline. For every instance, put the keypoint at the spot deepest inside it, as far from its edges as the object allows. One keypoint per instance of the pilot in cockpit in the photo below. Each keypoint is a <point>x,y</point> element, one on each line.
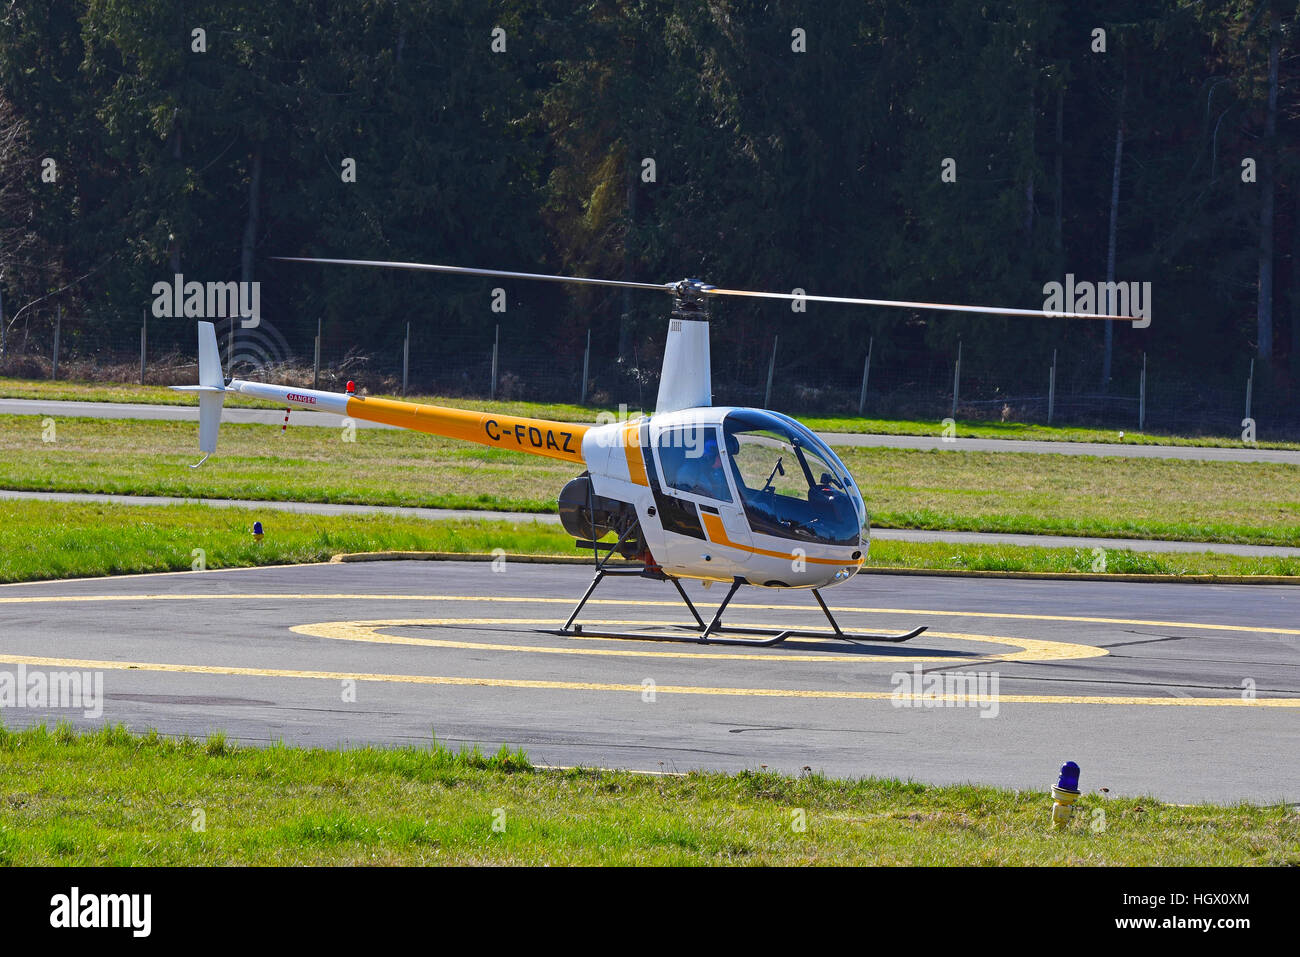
<point>703,474</point>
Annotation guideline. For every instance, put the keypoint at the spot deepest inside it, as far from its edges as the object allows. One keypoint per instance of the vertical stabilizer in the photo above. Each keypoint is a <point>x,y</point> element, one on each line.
<point>211,390</point>
<point>686,381</point>
<point>210,377</point>
<point>209,357</point>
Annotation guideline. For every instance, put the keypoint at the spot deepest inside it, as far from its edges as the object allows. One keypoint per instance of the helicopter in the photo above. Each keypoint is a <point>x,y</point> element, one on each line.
<point>694,491</point>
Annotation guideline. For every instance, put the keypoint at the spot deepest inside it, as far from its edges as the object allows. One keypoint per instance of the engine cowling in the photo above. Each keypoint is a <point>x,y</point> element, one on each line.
<point>588,516</point>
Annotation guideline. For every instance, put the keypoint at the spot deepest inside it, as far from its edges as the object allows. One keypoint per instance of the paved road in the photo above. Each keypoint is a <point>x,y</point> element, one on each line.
<point>1185,692</point>
<point>883,534</point>
<point>124,410</point>
<point>1188,452</point>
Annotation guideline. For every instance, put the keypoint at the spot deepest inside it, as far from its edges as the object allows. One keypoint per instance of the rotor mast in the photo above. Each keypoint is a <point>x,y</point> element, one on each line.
<point>686,379</point>
<point>690,299</point>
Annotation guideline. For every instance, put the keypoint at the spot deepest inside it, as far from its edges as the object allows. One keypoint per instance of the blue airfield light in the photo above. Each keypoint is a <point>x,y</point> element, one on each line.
<point>1069,779</point>
<point>1064,794</point>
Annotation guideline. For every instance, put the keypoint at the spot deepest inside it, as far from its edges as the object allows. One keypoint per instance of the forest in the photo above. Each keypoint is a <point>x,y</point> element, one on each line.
<point>967,151</point>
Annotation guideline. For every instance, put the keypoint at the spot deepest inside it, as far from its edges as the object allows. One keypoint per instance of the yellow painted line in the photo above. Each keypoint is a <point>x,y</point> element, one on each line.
<point>94,665</point>
<point>1148,622</point>
<point>368,631</point>
<point>1010,616</point>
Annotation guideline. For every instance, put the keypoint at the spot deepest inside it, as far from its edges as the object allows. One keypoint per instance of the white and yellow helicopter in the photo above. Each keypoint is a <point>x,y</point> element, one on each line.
<point>720,494</point>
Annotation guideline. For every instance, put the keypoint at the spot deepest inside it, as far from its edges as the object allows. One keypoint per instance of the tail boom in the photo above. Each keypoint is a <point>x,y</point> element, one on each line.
<point>556,440</point>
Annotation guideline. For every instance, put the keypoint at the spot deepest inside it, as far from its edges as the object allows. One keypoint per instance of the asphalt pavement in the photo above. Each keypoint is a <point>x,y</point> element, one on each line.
<point>1184,692</point>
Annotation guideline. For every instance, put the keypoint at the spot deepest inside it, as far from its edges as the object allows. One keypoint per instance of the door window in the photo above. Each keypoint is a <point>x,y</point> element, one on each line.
<point>691,460</point>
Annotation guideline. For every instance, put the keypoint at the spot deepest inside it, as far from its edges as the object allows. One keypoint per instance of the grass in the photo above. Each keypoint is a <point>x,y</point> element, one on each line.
<point>1027,431</point>
<point>40,540</point>
<point>113,798</point>
<point>382,467</point>
<point>69,540</point>
<point>567,412</point>
<point>1243,502</point>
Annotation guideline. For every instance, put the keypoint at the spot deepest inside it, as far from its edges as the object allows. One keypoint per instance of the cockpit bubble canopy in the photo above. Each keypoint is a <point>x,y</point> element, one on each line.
<point>790,482</point>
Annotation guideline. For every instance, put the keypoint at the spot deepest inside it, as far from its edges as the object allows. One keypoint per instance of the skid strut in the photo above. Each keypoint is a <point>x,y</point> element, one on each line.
<point>710,634</point>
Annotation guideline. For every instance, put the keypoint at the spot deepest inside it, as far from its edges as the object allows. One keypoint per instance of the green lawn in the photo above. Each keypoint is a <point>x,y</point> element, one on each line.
<point>61,540</point>
<point>40,540</point>
<point>567,412</point>
<point>113,798</point>
<point>943,489</point>
<point>987,429</point>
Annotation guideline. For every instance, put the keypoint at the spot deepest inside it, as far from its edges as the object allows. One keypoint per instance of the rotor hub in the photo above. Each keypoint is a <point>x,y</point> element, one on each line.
<point>690,300</point>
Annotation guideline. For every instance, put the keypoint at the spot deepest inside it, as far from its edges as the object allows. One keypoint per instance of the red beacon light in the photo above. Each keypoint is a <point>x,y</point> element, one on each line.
<point>352,387</point>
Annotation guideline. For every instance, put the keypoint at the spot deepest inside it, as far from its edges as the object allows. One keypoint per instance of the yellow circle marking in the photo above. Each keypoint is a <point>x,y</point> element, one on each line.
<point>1030,649</point>
<point>91,665</point>
<point>922,612</point>
<point>1027,653</point>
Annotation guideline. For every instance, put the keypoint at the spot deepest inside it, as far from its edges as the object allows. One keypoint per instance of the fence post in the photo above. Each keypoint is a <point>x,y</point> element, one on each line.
<point>3,333</point>
<point>406,358</point>
<point>956,381</point>
<point>496,342</point>
<point>144,339</point>
<point>1142,395</point>
<point>771,369</point>
<point>1051,389</point>
<point>866,376</point>
<point>315,362</point>
<point>58,321</point>
<point>586,363</point>
<point>1250,385</point>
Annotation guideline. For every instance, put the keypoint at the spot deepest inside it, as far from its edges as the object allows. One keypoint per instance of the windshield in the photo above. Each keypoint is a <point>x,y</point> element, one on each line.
<point>791,483</point>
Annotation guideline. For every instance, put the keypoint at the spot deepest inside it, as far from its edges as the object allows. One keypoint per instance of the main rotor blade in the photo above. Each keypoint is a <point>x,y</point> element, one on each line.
<point>467,271</point>
<point>708,290</point>
<point>938,306</point>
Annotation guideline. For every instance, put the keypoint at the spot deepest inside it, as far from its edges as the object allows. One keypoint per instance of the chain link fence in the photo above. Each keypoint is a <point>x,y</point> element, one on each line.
<point>511,365</point>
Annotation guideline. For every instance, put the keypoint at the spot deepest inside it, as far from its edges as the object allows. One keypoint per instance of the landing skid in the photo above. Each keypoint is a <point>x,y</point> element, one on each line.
<point>713,633</point>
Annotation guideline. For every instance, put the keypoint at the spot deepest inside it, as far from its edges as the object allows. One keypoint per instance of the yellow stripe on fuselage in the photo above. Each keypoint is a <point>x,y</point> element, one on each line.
<point>632,450</point>
<point>717,532</point>
<point>556,440</point>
